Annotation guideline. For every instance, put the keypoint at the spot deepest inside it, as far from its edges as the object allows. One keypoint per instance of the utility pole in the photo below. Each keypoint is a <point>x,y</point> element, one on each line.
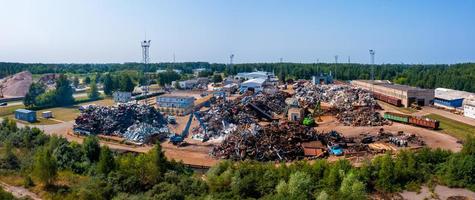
<point>371,53</point>
<point>336,63</point>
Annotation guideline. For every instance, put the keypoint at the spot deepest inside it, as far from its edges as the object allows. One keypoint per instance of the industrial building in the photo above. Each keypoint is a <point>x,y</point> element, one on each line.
<point>122,97</point>
<point>256,84</point>
<point>254,75</point>
<point>179,105</point>
<point>322,79</point>
<point>469,108</point>
<point>25,115</point>
<point>450,99</point>
<point>406,94</point>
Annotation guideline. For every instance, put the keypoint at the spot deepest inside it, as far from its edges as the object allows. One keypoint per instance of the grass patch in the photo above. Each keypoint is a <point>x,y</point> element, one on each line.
<point>9,110</point>
<point>452,127</point>
<point>400,109</point>
<point>60,114</point>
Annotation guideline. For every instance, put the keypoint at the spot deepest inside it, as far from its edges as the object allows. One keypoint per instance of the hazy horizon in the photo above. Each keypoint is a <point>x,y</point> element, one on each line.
<point>98,32</point>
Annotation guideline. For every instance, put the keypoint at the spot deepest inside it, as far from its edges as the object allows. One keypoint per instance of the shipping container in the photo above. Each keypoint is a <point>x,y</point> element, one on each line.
<point>25,115</point>
<point>397,117</point>
<point>424,122</point>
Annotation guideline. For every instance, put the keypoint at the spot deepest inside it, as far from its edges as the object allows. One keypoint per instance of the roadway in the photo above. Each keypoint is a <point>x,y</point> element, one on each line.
<point>431,110</point>
<point>77,95</point>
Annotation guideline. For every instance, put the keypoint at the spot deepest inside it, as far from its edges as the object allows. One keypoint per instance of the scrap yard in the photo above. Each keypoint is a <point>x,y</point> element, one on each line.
<point>333,121</point>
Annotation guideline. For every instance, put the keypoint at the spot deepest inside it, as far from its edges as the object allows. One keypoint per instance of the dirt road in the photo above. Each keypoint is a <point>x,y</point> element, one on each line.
<point>19,192</point>
<point>430,110</point>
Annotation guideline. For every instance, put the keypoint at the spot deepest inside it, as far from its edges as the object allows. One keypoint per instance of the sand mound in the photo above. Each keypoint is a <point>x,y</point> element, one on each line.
<point>16,85</point>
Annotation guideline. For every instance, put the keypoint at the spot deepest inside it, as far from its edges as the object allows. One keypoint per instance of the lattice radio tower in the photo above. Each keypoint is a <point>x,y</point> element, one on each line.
<point>145,51</point>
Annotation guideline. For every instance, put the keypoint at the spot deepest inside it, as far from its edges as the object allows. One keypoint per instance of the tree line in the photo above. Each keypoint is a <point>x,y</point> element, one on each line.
<point>456,76</point>
<point>68,170</point>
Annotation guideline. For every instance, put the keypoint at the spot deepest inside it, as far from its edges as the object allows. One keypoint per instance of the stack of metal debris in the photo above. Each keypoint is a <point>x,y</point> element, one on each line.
<point>268,143</point>
<point>225,115</point>
<point>363,116</point>
<point>132,121</point>
<point>338,96</point>
<point>353,106</point>
<point>143,132</point>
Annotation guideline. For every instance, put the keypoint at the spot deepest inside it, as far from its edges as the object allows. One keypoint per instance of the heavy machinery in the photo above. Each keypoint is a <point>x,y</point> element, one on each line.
<point>178,139</point>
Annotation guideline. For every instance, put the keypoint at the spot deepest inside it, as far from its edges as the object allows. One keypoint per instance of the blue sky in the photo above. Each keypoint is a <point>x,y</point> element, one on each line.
<point>101,31</point>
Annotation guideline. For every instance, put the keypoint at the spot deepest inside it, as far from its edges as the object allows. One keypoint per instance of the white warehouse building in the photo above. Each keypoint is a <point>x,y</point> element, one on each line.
<point>469,108</point>
<point>256,84</point>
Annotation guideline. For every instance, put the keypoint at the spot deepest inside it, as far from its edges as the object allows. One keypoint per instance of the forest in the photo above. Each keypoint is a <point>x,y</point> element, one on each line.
<point>59,169</point>
<point>455,76</point>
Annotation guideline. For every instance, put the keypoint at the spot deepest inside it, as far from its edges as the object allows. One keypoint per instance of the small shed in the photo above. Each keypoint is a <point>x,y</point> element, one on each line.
<point>25,115</point>
<point>313,149</point>
<point>295,114</point>
<point>47,114</point>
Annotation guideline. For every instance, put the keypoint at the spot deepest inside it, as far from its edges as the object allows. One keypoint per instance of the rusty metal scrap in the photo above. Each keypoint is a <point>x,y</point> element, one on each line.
<point>363,116</point>
<point>276,141</point>
<point>225,115</point>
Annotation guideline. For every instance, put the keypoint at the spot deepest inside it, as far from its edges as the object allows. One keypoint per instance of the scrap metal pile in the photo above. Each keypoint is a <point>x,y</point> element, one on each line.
<point>136,123</point>
<point>276,141</point>
<point>224,116</point>
<point>353,106</point>
<point>364,116</point>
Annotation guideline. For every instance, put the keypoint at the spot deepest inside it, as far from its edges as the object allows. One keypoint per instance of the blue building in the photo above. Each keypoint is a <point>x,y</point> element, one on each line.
<point>25,115</point>
<point>449,98</point>
<point>179,105</point>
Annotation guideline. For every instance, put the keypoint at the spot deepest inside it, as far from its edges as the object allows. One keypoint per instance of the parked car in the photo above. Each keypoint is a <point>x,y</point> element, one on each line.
<point>3,104</point>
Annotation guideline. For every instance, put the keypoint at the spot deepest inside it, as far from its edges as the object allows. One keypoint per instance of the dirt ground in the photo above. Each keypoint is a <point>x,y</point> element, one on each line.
<point>433,139</point>
<point>440,192</point>
<point>19,192</point>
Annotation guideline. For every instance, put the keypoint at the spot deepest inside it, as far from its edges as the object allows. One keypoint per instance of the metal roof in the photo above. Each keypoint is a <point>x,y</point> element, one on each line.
<point>450,94</point>
<point>21,110</point>
<point>259,81</point>
<point>389,84</point>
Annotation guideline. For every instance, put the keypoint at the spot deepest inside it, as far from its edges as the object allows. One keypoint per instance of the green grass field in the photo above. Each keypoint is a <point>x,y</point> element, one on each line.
<point>60,114</point>
<point>455,128</point>
<point>9,110</point>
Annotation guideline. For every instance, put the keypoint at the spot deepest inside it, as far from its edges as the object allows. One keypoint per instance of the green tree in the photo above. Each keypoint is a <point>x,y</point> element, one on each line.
<point>36,89</point>
<point>469,146</point>
<point>385,178</point>
<point>5,195</point>
<point>217,78</point>
<point>64,91</point>
<point>93,92</point>
<point>125,83</point>
<point>108,84</point>
<point>352,188</point>
<point>45,167</point>
<point>298,186</point>
<point>87,80</point>
<point>159,160</point>
<point>76,82</point>
<point>9,161</point>
<point>106,161</point>
<point>91,148</point>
